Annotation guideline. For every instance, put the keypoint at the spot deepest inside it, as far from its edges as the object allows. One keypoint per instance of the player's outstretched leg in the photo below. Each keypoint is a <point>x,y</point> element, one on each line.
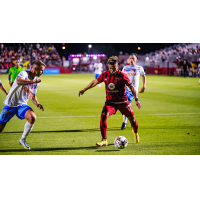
<point>1,127</point>
<point>31,117</point>
<point>134,124</point>
<point>103,127</point>
<point>124,124</point>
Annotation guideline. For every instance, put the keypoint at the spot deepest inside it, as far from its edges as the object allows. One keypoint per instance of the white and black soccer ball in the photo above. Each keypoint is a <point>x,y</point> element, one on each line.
<point>121,142</point>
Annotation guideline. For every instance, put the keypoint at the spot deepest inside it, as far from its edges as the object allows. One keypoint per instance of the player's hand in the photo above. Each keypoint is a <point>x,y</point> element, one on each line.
<point>37,80</point>
<point>81,92</point>
<point>142,90</point>
<point>40,107</point>
<point>138,104</point>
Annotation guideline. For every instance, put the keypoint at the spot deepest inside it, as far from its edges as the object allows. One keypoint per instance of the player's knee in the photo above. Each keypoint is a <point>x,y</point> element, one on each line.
<point>32,118</point>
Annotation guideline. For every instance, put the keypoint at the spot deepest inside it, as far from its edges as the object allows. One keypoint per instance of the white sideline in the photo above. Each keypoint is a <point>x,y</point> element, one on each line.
<point>116,115</point>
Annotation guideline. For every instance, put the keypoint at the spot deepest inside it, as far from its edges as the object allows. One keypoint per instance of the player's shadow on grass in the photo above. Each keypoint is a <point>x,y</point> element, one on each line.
<point>63,131</point>
<point>55,149</point>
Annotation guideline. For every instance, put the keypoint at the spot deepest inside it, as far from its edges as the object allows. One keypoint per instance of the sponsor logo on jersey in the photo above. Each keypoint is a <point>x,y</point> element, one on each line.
<point>111,86</point>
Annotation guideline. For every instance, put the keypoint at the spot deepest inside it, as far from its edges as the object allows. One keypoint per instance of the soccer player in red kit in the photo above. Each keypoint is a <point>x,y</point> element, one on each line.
<point>116,98</point>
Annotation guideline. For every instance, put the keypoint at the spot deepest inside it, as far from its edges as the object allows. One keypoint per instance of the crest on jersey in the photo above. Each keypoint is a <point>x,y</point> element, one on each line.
<point>111,86</point>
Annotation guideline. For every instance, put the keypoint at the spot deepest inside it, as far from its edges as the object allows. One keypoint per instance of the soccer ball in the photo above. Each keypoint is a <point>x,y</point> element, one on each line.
<point>121,142</point>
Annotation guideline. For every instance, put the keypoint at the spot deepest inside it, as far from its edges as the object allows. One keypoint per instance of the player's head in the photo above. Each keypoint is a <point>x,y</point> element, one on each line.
<point>133,59</point>
<point>17,62</point>
<point>98,60</point>
<point>113,64</point>
<point>38,68</point>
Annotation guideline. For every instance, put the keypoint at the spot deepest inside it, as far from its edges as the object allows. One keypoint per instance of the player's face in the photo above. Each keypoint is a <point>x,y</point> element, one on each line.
<point>113,68</point>
<point>132,60</point>
<point>17,63</point>
<point>39,70</point>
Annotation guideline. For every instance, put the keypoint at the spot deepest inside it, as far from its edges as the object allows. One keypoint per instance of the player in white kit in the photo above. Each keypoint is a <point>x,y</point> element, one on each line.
<point>134,72</point>
<point>98,70</point>
<point>24,86</point>
<point>3,88</point>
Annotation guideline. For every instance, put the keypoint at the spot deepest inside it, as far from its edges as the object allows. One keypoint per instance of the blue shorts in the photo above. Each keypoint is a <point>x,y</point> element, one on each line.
<point>96,76</point>
<point>8,112</point>
<point>130,96</point>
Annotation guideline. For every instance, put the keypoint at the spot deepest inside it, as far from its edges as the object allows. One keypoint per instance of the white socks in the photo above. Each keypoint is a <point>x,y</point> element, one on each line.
<point>27,129</point>
<point>124,119</point>
<point>199,81</point>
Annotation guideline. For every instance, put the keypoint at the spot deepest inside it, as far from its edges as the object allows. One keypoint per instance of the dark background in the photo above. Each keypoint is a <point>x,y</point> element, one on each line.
<point>110,48</point>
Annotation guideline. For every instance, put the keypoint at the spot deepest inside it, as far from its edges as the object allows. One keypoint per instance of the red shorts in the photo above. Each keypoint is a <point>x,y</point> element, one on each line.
<point>124,108</point>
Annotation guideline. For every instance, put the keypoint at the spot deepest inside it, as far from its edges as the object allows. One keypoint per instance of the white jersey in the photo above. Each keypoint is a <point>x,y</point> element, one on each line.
<point>19,94</point>
<point>98,68</point>
<point>0,81</point>
<point>133,73</point>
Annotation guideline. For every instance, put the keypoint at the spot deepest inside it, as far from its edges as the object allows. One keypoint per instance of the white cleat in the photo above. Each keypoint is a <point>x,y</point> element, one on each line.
<point>25,145</point>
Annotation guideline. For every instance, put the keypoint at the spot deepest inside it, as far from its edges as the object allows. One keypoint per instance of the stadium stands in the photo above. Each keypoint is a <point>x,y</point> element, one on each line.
<point>27,53</point>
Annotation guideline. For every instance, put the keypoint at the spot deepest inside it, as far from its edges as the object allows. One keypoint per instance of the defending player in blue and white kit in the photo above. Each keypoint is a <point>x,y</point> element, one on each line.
<point>3,88</point>
<point>24,86</point>
<point>133,72</point>
<point>98,70</point>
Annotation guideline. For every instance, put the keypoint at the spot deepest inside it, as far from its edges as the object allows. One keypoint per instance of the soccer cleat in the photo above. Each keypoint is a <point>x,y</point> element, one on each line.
<point>25,145</point>
<point>123,126</point>
<point>102,143</point>
<point>136,137</point>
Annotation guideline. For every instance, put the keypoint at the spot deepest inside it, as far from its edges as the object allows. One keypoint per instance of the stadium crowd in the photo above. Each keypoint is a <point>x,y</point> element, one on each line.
<point>177,50</point>
<point>27,53</point>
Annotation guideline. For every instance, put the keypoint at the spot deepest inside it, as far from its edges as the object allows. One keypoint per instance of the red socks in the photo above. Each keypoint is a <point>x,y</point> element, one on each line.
<point>103,126</point>
<point>135,126</point>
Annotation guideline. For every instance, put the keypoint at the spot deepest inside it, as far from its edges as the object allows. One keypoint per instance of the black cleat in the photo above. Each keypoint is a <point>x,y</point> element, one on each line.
<point>123,126</point>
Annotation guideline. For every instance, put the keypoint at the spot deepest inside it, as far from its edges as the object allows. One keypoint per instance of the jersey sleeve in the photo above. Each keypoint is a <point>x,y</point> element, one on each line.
<point>126,80</point>
<point>142,72</point>
<point>10,71</point>
<point>23,75</point>
<point>101,78</point>
<point>34,88</point>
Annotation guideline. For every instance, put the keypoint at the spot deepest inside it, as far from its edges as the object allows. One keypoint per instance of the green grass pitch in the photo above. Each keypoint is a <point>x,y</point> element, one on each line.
<point>169,120</point>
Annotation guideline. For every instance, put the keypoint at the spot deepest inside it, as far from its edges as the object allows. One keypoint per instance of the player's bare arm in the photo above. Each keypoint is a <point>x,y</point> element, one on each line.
<point>21,81</point>
<point>138,104</point>
<point>36,102</point>
<point>9,77</point>
<point>3,88</point>
<point>91,85</point>
<point>144,84</point>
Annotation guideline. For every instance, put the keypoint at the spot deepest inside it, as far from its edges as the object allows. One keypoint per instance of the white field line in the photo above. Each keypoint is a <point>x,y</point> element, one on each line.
<point>115,115</point>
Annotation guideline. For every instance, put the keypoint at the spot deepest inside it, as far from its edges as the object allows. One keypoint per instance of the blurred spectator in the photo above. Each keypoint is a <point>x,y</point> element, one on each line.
<point>185,67</point>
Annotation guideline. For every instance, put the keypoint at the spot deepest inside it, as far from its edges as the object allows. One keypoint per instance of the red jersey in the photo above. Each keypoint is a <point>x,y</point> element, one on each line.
<point>115,86</point>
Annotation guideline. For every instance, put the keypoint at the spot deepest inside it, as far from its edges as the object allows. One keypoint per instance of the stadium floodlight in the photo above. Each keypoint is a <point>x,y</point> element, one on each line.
<point>63,47</point>
<point>95,57</point>
<point>138,48</point>
<point>89,47</point>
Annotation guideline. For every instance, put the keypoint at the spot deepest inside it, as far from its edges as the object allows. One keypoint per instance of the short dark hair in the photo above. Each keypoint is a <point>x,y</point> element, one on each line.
<point>113,60</point>
<point>134,54</point>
